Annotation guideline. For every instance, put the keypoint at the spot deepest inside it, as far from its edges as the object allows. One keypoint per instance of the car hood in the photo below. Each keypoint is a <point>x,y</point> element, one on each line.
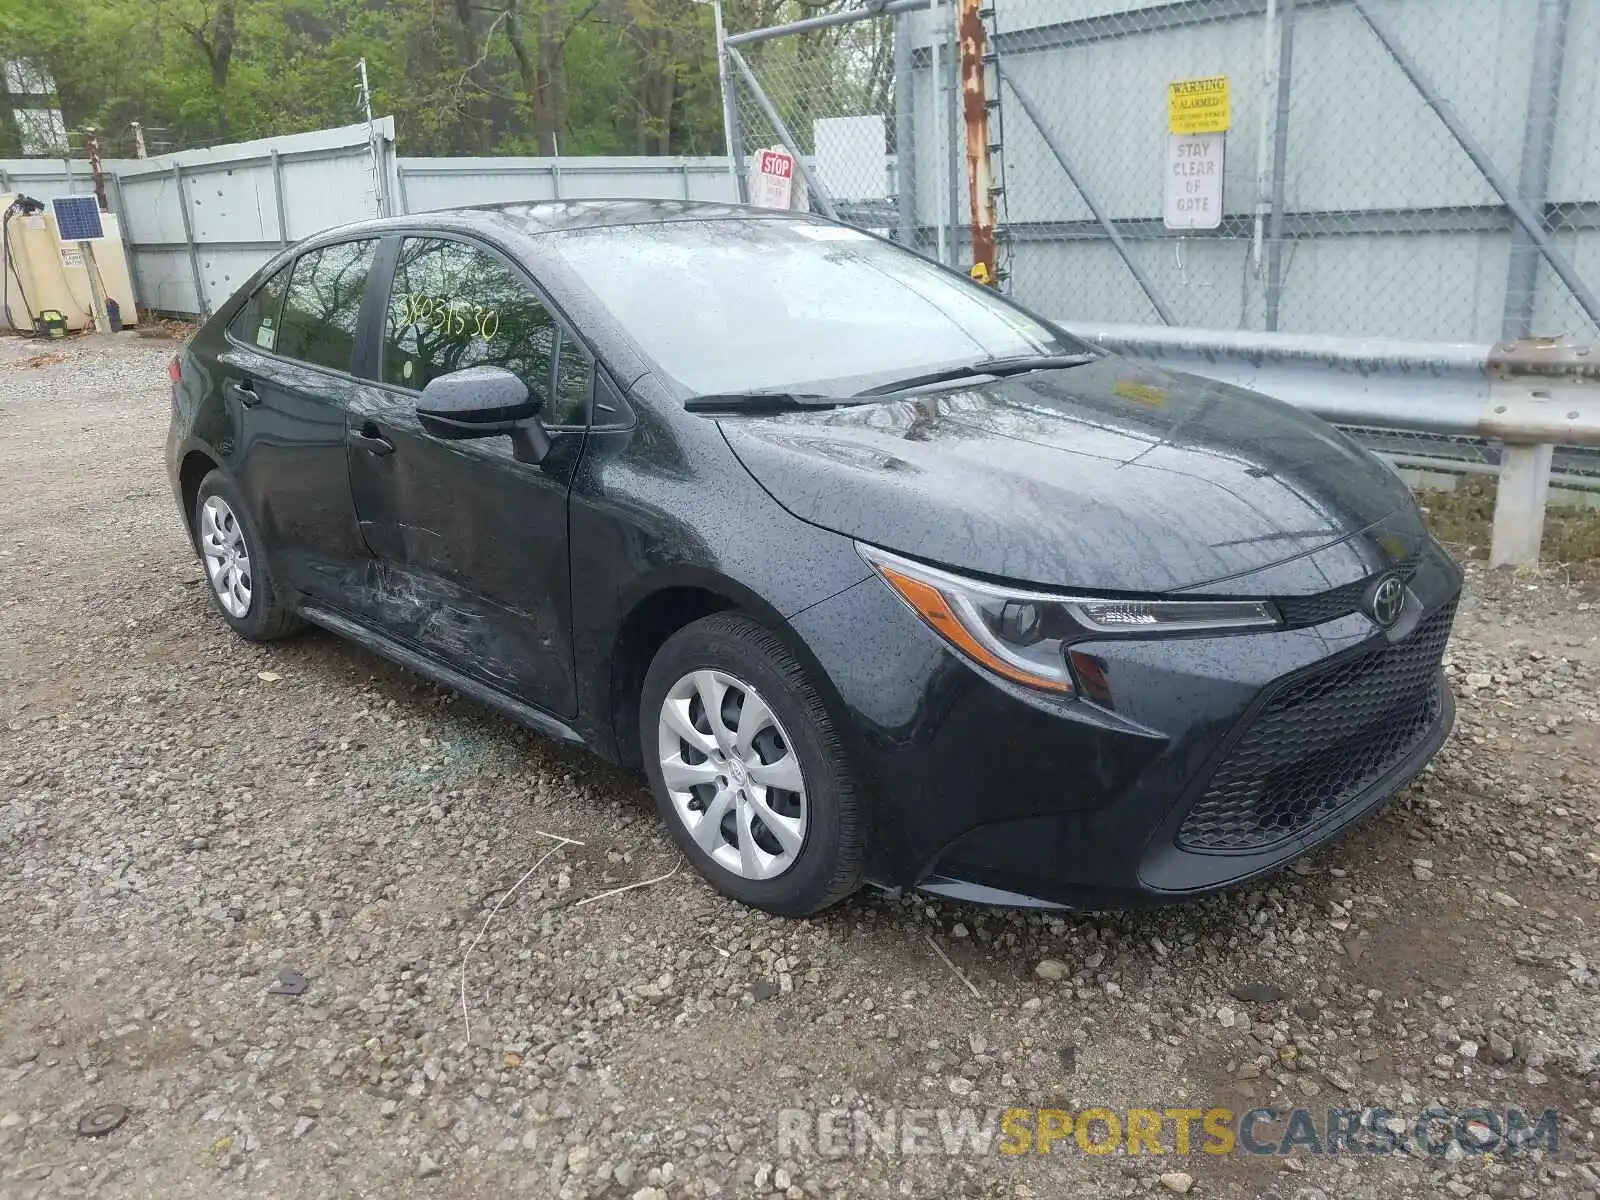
<point>1108,477</point>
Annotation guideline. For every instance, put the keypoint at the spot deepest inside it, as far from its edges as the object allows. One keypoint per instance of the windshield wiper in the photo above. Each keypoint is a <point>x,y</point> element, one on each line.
<point>1015,365</point>
<point>758,403</point>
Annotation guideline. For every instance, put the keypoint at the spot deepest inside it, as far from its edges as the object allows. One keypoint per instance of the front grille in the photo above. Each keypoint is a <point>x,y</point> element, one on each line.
<point>1320,742</point>
<point>1300,611</point>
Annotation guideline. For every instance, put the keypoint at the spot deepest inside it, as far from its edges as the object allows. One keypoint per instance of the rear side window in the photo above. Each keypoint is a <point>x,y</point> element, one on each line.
<point>257,322</point>
<point>323,304</point>
<point>455,306</point>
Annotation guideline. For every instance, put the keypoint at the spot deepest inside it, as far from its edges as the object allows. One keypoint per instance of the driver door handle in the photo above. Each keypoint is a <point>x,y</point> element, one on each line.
<point>374,442</point>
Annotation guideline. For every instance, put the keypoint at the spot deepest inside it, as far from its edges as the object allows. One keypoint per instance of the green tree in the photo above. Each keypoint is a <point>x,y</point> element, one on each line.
<point>460,76</point>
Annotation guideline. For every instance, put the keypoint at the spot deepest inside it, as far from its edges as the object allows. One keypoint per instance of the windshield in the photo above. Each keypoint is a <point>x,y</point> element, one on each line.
<point>734,306</point>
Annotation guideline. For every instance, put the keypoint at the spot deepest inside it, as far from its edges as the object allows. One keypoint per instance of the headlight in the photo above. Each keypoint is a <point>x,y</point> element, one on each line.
<point>1023,635</point>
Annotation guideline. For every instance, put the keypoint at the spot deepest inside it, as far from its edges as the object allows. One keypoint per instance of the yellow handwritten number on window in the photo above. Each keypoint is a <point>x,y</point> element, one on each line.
<point>450,319</point>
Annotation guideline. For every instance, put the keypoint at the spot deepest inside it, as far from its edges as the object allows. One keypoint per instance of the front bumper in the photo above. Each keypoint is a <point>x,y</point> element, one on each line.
<point>1205,763</point>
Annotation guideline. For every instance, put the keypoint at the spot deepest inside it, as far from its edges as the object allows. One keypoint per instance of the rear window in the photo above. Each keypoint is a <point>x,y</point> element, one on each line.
<point>768,304</point>
<point>323,304</point>
<point>257,322</point>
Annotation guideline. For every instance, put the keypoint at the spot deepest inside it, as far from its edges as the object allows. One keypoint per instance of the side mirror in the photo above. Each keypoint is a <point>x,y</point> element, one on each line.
<point>478,402</point>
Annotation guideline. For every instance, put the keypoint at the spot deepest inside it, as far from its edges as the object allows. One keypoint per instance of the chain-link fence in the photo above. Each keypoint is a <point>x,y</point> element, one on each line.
<point>828,90</point>
<point>1422,169</point>
<point>1415,169</point>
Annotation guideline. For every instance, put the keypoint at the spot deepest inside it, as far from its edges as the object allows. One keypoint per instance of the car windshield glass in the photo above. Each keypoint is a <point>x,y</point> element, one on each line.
<point>742,305</point>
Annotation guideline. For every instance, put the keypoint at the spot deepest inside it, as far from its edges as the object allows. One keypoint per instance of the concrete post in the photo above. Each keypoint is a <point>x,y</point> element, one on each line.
<point>1519,505</point>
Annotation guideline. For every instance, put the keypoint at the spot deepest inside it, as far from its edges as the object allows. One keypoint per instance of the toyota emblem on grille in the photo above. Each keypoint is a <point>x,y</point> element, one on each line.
<point>1386,599</point>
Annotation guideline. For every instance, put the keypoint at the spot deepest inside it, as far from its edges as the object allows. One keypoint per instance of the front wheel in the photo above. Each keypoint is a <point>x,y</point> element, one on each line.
<point>747,771</point>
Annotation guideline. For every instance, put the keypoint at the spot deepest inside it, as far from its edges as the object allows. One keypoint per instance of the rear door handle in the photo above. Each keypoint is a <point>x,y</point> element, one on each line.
<point>373,441</point>
<point>242,392</point>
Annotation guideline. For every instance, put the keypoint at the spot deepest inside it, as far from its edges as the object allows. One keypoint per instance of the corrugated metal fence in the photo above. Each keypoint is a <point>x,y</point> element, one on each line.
<point>199,222</point>
<point>425,183</point>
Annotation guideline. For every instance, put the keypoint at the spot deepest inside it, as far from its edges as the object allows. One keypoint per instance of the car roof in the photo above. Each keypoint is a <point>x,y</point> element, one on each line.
<point>551,216</point>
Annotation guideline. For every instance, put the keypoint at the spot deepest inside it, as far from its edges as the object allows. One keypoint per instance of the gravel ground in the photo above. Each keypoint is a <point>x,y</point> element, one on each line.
<point>190,824</point>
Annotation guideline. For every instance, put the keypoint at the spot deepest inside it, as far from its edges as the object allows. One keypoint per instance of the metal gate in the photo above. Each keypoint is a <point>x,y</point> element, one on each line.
<point>1414,169</point>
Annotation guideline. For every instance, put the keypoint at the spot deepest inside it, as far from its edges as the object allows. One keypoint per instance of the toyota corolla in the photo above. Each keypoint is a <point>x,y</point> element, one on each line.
<point>877,575</point>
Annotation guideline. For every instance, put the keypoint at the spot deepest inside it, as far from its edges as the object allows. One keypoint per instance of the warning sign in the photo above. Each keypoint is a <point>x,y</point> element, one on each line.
<point>1199,105</point>
<point>71,258</point>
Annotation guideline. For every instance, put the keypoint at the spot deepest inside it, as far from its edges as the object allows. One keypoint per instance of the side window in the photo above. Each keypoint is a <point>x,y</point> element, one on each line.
<point>454,306</point>
<point>257,322</point>
<point>323,304</point>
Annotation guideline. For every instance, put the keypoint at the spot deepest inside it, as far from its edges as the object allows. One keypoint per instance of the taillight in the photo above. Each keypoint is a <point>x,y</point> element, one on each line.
<point>174,370</point>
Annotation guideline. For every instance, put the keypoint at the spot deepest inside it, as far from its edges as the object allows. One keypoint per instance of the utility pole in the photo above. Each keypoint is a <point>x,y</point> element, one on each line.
<point>974,39</point>
<point>102,318</point>
<point>380,194</point>
<point>364,92</point>
<point>95,172</point>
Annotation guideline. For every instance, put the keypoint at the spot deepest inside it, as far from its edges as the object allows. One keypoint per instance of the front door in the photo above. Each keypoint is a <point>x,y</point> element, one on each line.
<point>470,544</point>
<point>287,378</point>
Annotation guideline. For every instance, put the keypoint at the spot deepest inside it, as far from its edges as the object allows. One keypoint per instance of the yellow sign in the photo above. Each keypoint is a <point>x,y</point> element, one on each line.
<point>1199,105</point>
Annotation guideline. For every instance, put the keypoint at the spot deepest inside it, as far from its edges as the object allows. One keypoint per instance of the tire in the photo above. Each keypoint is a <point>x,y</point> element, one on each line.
<point>714,805</point>
<point>238,575</point>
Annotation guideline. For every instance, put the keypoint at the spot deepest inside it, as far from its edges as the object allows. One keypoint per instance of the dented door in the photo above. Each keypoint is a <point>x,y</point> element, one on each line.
<point>470,545</point>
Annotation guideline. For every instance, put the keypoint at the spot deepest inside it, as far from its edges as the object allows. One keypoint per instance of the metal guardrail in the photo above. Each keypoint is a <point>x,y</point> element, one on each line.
<point>1529,396</point>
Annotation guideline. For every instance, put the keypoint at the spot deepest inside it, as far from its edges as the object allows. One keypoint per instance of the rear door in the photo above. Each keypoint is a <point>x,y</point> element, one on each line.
<point>470,544</point>
<point>288,376</point>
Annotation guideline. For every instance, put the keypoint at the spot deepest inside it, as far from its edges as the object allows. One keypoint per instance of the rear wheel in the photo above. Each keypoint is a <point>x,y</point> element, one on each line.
<point>236,565</point>
<point>746,769</point>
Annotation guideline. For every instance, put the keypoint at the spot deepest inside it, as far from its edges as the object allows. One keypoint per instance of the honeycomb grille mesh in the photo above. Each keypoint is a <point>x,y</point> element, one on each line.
<point>1300,611</point>
<point>1320,742</point>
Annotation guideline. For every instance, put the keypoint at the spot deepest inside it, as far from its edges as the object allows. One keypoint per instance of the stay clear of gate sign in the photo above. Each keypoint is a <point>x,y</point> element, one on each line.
<point>772,184</point>
<point>1194,180</point>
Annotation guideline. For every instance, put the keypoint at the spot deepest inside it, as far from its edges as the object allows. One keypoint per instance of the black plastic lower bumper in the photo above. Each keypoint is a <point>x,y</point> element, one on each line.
<point>1023,859</point>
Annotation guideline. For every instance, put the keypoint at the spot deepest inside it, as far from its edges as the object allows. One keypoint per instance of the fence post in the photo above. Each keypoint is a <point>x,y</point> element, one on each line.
<point>277,199</point>
<point>378,148</point>
<point>1538,145</point>
<point>730,109</point>
<point>943,167</point>
<point>1378,22</point>
<point>782,130</point>
<point>952,103</point>
<point>188,238</point>
<point>127,245</point>
<point>1280,156</point>
<point>1519,505</point>
<point>905,184</point>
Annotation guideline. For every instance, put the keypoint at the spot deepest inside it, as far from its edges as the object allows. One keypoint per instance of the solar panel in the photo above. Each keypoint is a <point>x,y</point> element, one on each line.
<point>78,218</point>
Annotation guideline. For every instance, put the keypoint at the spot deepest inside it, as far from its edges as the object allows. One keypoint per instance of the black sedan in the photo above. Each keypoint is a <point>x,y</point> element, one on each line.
<point>877,575</point>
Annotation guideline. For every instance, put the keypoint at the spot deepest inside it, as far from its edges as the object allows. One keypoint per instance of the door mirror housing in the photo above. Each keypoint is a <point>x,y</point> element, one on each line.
<point>479,402</point>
